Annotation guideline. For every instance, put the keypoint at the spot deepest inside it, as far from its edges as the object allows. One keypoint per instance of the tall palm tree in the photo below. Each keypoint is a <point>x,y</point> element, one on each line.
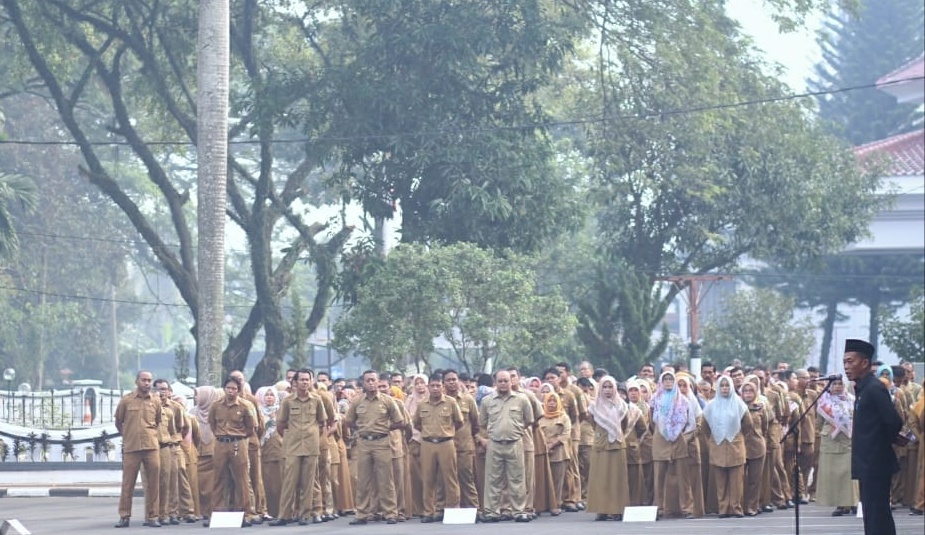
<point>212,156</point>
<point>14,189</point>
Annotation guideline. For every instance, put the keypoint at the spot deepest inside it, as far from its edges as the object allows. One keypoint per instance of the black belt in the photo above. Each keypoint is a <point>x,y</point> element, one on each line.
<point>505,441</point>
<point>436,440</point>
<point>375,436</point>
<point>166,444</point>
<point>229,439</point>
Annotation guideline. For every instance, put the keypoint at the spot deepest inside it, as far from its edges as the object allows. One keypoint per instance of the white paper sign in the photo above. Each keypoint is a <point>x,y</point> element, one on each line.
<point>13,527</point>
<point>459,516</point>
<point>642,513</point>
<point>226,519</point>
<point>860,511</point>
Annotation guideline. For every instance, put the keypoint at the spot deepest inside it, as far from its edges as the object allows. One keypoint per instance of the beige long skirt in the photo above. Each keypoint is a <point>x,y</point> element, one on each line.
<point>608,490</point>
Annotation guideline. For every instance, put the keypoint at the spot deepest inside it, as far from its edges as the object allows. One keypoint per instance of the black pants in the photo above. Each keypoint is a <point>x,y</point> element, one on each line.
<point>875,503</point>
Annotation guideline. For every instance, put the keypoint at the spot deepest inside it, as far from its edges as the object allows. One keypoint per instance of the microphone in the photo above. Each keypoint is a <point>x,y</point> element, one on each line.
<point>829,378</point>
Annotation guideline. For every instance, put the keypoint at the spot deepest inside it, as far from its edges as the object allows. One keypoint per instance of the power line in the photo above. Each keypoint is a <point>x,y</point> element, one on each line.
<point>534,126</point>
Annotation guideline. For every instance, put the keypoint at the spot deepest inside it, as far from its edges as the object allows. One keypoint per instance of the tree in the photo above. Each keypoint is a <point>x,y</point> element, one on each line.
<point>126,71</point>
<point>212,72</point>
<point>906,336</point>
<point>485,305</point>
<point>756,327</point>
<point>16,191</point>
<point>691,192</point>
<point>859,46</point>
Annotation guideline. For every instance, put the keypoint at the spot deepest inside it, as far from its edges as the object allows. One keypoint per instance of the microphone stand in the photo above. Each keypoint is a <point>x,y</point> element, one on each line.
<point>795,431</point>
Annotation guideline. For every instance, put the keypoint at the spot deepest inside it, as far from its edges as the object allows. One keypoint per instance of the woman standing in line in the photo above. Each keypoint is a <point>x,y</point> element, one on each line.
<point>204,397</point>
<point>835,487</point>
<point>271,447</point>
<point>755,448</point>
<point>726,421</point>
<point>635,461</point>
<point>671,414</point>
<point>557,429</point>
<point>608,488</point>
<point>686,387</point>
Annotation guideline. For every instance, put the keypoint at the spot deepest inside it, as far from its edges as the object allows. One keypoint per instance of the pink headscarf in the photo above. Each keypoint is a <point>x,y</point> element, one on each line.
<point>204,397</point>
<point>609,413</point>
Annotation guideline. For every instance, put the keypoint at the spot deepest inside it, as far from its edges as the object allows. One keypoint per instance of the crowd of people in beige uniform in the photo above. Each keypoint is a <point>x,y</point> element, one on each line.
<point>391,448</point>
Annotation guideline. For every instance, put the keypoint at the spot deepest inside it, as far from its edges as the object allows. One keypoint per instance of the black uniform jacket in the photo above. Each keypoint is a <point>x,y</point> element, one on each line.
<point>876,424</point>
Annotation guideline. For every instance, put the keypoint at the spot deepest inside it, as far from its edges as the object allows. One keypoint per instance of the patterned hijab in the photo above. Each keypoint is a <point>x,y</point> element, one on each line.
<point>724,413</point>
<point>609,413</point>
<point>204,397</point>
<point>669,410</point>
<point>838,410</point>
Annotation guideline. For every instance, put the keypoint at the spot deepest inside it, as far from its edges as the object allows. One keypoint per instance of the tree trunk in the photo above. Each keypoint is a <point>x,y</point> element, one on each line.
<point>828,328</point>
<point>875,321</point>
<point>212,155</point>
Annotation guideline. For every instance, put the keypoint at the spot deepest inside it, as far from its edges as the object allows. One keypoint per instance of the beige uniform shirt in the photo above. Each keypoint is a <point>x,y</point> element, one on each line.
<point>137,418</point>
<point>166,431</point>
<point>464,440</point>
<point>373,416</point>
<point>438,419</point>
<point>238,419</point>
<point>506,417</point>
<point>299,421</point>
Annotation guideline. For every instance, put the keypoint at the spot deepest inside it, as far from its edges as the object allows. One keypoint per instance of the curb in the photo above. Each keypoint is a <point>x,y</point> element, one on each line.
<point>65,492</point>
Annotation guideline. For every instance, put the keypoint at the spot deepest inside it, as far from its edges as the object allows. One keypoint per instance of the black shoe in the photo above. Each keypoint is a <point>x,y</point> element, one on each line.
<point>915,512</point>
<point>767,509</point>
<point>174,521</point>
<point>803,501</point>
<point>152,524</point>
<point>391,521</point>
<point>317,519</point>
<point>303,522</point>
<point>278,522</point>
<point>782,507</point>
<point>724,515</point>
<point>790,504</point>
<point>738,515</point>
<point>358,522</point>
<point>617,518</point>
<point>580,505</point>
<point>246,524</point>
<point>122,523</point>
<point>427,519</point>
<point>257,520</point>
<point>205,523</point>
<point>600,518</point>
<point>190,519</point>
<point>570,509</point>
<point>521,518</point>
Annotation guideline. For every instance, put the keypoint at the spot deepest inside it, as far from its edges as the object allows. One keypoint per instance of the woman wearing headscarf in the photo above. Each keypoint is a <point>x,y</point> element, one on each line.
<point>557,429</point>
<point>204,397</point>
<point>755,448</point>
<point>271,447</point>
<point>544,493</point>
<point>918,409</point>
<point>613,419</point>
<point>646,387</point>
<point>694,461</point>
<point>634,451</point>
<point>726,422</point>
<point>671,415</point>
<point>835,487</point>
<point>418,394</point>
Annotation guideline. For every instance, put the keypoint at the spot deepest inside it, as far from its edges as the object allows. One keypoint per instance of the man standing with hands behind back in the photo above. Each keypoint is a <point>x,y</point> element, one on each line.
<point>137,419</point>
<point>876,425</point>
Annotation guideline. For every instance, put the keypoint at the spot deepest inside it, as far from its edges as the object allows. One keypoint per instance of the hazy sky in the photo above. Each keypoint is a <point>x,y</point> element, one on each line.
<point>796,51</point>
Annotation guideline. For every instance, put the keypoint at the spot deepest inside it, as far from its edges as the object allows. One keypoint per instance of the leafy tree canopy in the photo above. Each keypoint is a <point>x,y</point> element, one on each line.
<point>906,336</point>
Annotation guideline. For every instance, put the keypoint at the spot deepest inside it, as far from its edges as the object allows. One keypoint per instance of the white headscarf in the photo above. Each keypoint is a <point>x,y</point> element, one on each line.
<point>693,406</point>
<point>609,413</point>
<point>724,413</point>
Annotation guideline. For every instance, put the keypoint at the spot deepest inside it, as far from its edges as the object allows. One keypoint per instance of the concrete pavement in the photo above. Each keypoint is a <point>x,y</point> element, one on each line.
<point>97,515</point>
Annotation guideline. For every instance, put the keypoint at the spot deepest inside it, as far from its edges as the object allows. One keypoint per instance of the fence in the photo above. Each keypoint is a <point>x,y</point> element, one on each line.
<point>60,409</point>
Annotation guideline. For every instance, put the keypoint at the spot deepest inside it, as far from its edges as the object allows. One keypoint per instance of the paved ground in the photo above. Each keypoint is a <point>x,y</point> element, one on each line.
<point>97,515</point>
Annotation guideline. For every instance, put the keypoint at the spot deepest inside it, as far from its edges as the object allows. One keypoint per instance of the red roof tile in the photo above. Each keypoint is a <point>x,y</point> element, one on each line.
<point>905,153</point>
<point>913,69</point>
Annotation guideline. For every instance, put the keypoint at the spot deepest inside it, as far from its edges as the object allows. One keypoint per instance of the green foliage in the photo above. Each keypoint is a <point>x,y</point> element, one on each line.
<point>181,362</point>
<point>690,193</point>
<point>485,305</point>
<point>436,102</point>
<point>15,192</point>
<point>905,336</point>
<point>858,48</point>
<point>756,327</point>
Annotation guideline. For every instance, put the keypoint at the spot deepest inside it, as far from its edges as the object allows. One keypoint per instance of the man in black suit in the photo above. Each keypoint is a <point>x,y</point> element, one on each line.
<point>876,426</point>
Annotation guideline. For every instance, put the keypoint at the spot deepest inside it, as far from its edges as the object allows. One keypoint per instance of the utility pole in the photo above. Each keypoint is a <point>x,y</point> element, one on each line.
<point>696,291</point>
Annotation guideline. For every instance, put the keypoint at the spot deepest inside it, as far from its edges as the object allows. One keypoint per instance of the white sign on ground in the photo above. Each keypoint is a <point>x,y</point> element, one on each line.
<point>13,527</point>
<point>640,513</point>
<point>226,519</point>
<point>459,516</point>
